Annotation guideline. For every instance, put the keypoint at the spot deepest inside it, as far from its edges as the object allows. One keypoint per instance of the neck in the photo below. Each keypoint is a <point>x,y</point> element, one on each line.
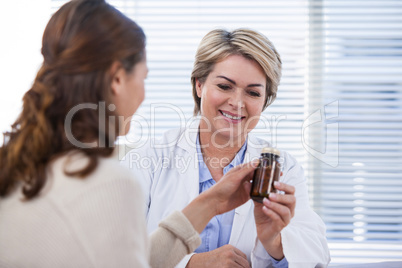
<point>220,147</point>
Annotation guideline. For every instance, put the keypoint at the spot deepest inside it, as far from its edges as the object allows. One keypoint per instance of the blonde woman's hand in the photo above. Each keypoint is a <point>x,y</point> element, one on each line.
<point>272,216</point>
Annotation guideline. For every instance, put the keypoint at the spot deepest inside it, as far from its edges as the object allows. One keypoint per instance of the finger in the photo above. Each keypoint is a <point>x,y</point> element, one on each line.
<point>249,176</point>
<point>257,204</point>
<point>289,189</point>
<point>274,217</point>
<point>242,261</point>
<point>245,167</point>
<point>288,200</point>
<point>247,186</point>
<point>280,210</point>
<point>245,171</point>
<point>233,263</point>
<point>236,256</point>
<point>239,253</point>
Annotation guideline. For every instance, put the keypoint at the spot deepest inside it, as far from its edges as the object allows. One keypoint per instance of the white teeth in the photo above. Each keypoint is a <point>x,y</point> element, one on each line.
<point>231,117</point>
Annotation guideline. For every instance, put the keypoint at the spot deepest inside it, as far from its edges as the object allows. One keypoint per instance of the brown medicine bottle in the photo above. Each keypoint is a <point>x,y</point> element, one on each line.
<point>266,174</point>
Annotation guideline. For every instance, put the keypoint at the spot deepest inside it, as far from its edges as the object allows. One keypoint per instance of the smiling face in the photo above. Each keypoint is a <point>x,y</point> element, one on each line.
<point>232,98</point>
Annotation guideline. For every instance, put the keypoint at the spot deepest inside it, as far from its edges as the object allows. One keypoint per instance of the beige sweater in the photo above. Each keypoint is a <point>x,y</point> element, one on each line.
<point>93,222</point>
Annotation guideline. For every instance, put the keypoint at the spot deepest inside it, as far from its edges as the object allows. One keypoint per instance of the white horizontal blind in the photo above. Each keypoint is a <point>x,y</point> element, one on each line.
<point>356,72</point>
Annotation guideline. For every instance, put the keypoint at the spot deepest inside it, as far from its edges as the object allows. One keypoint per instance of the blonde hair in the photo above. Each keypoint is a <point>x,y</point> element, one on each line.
<point>219,44</point>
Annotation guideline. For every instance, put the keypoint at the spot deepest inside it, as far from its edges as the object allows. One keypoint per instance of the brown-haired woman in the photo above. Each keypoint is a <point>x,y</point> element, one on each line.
<point>66,201</point>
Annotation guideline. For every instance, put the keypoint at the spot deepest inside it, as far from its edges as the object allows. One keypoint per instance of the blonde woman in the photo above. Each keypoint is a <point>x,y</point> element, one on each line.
<point>235,77</point>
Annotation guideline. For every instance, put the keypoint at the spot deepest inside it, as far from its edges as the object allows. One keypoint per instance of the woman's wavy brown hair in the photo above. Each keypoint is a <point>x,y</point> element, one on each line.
<point>80,43</point>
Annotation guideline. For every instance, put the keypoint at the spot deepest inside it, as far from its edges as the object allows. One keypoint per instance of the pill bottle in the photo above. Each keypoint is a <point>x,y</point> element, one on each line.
<point>266,174</point>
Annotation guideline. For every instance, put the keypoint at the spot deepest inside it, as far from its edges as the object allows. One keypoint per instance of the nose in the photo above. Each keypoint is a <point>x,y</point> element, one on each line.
<point>236,100</point>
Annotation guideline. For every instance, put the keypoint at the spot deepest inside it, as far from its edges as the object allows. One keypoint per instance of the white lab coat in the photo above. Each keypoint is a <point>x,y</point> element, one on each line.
<point>169,176</point>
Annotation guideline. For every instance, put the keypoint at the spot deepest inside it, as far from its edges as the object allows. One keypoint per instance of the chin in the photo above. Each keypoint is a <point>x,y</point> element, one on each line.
<point>230,131</point>
<point>230,136</point>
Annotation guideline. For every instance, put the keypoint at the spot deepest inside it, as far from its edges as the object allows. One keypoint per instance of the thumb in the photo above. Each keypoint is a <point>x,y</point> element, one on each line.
<point>245,169</point>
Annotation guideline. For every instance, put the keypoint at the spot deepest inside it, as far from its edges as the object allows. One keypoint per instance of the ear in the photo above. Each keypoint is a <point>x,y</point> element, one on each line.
<point>117,73</point>
<point>198,87</point>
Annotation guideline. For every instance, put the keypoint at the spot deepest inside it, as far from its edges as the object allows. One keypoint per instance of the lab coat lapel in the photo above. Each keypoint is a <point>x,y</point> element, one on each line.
<point>242,212</point>
<point>238,222</point>
<point>187,142</point>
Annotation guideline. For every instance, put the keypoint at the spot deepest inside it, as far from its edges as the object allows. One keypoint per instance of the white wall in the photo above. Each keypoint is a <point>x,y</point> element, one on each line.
<point>22,24</point>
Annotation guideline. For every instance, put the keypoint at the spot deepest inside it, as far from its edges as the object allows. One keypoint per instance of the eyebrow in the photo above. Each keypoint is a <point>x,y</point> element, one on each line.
<point>234,83</point>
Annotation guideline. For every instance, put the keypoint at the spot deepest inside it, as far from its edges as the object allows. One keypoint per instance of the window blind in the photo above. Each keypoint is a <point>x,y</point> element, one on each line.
<point>338,109</point>
<point>355,85</point>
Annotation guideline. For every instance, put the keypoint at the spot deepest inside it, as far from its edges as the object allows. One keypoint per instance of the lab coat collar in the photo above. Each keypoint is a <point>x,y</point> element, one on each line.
<point>188,137</point>
<point>187,141</point>
<point>254,147</point>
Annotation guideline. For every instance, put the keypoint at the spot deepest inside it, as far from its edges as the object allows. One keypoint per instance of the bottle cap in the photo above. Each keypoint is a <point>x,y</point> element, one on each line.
<point>270,150</point>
